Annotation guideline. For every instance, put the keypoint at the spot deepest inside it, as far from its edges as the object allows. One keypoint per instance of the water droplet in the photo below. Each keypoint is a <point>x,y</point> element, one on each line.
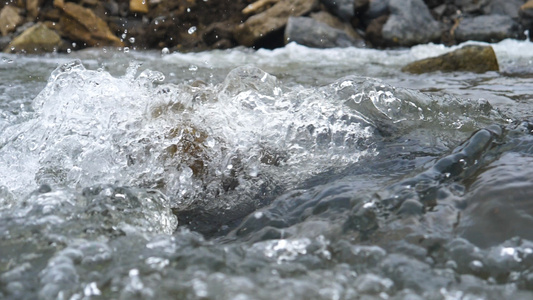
<point>126,49</point>
<point>193,68</point>
<point>132,40</point>
<point>69,51</point>
<point>192,30</point>
<point>123,36</point>
<point>165,51</point>
<point>188,10</point>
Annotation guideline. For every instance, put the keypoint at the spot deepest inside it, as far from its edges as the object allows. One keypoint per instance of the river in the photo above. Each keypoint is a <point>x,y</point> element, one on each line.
<point>292,173</point>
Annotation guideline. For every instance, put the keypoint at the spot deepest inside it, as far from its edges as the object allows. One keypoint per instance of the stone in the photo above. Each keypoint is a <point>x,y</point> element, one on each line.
<point>139,6</point>
<point>33,7</point>
<point>471,58</point>
<point>491,28</point>
<point>374,29</point>
<point>260,26</point>
<point>82,25</point>
<point>9,19</point>
<point>312,33</point>
<point>258,6</point>
<point>410,23</point>
<point>36,39</point>
<point>376,9</point>
<point>509,8</point>
<point>331,20</point>
<point>217,32</point>
<point>344,9</point>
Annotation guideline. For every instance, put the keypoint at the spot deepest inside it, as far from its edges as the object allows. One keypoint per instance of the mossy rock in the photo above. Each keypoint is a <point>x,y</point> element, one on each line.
<point>471,58</point>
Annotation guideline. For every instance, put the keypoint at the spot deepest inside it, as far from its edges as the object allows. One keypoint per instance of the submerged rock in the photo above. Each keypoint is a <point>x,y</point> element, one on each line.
<point>410,23</point>
<point>36,39</point>
<point>491,28</point>
<point>9,19</point>
<point>82,25</point>
<point>260,26</point>
<point>471,58</point>
<point>312,33</point>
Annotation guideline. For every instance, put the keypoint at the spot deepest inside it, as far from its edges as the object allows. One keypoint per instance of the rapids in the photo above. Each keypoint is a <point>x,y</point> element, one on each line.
<point>293,173</point>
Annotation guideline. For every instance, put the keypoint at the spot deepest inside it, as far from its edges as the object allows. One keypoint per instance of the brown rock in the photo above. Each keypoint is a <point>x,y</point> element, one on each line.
<point>139,6</point>
<point>9,19</point>
<point>374,29</point>
<point>259,26</point>
<point>33,7</point>
<point>82,25</point>
<point>36,39</point>
<point>472,58</point>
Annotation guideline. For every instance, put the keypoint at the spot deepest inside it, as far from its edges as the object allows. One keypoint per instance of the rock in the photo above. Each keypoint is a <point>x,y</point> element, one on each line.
<point>272,20</point>
<point>33,7</point>
<point>9,19</point>
<point>258,6</point>
<point>344,9</point>
<point>335,22</point>
<point>4,41</point>
<point>36,39</point>
<point>410,23</point>
<point>82,25</point>
<point>471,58</point>
<point>509,8</point>
<point>360,7</point>
<point>491,28</point>
<point>219,34</point>
<point>374,29</point>
<point>139,6</point>
<point>376,9</point>
<point>312,33</point>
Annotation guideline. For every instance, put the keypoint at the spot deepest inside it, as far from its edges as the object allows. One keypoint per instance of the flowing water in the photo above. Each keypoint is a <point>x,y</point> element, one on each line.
<point>293,173</point>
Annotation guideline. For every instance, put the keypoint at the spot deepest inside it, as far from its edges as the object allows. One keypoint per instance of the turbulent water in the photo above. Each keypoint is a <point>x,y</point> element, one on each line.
<point>293,173</point>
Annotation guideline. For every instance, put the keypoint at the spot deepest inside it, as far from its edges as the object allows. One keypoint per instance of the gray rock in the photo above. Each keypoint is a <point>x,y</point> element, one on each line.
<point>410,23</point>
<point>503,7</point>
<point>376,9</point>
<point>4,41</point>
<point>343,9</point>
<point>312,33</point>
<point>526,16</point>
<point>491,28</point>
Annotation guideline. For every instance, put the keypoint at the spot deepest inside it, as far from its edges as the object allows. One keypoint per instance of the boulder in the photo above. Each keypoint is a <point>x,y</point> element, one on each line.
<point>312,33</point>
<point>36,39</point>
<point>343,9</point>
<point>260,26</point>
<point>509,8</point>
<point>82,25</point>
<point>9,19</point>
<point>410,23</point>
<point>470,58</point>
<point>33,7</point>
<point>376,9</point>
<point>139,6</point>
<point>491,28</point>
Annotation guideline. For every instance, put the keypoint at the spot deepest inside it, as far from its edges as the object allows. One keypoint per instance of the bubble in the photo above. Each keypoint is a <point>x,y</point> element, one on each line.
<point>165,51</point>
<point>132,40</point>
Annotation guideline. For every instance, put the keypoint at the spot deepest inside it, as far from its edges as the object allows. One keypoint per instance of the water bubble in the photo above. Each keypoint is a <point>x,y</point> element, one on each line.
<point>192,30</point>
<point>126,49</point>
<point>123,36</point>
<point>165,51</point>
<point>193,68</point>
<point>132,40</point>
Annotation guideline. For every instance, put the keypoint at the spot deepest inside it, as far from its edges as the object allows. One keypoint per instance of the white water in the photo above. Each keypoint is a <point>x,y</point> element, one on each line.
<point>101,158</point>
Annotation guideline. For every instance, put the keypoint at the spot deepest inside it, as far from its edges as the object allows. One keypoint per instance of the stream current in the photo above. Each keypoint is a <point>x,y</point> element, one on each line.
<point>293,173</point>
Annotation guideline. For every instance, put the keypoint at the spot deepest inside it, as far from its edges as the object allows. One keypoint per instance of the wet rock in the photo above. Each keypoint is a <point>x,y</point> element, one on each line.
<point>344,9</point>
<point>139,6</point>
<point>36,39</point>
<point>219,35</point>
<point>312,33</point>
<point>261,26</point>
<point>4,41</point>
<point>471,58</point>
<point>9,19</point>
<point>410,23</point>
<point>491,28</point>
<point>82,25</point>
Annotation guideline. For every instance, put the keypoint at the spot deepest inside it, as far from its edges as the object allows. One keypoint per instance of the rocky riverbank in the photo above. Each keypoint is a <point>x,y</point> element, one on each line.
<point>37,26</point>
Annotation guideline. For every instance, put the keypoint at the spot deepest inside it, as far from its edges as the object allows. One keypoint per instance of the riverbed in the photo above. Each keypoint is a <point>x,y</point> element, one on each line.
<point>293,173</point>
